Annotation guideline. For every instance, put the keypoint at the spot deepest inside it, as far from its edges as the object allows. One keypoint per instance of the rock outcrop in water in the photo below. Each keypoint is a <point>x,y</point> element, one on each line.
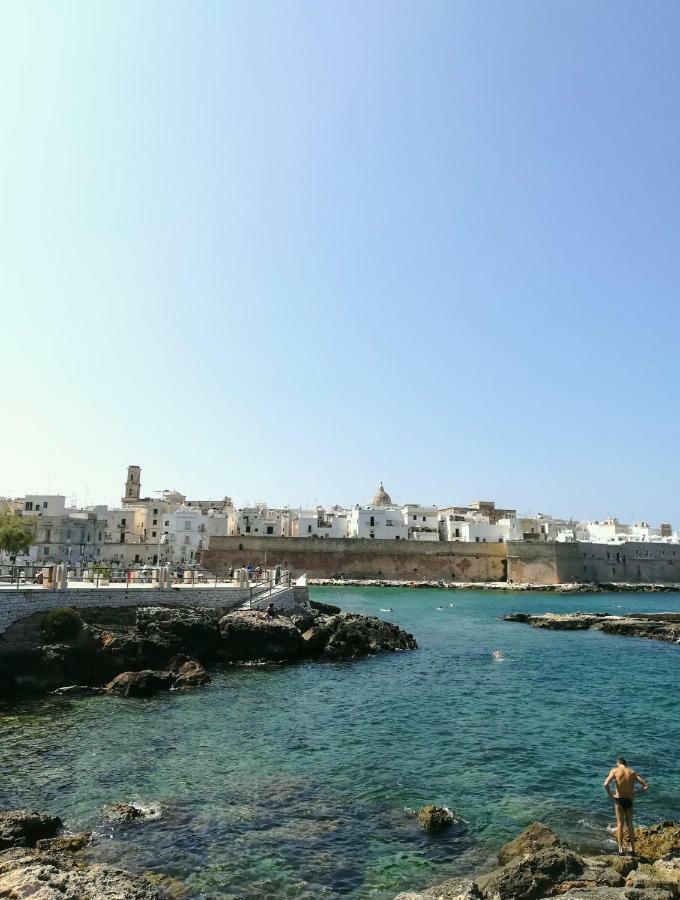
<point>539,867</point>
<point>656,626</point>
<point>137,652</point>
<point>35,863</point>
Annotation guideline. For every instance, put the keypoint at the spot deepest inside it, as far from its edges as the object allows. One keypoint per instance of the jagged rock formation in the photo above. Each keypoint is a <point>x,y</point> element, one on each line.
<point>537,866</point>
<point>34,862</point>
<point>136,652</point>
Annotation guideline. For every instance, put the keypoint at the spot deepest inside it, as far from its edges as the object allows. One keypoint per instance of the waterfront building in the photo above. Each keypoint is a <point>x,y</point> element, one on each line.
<point>380,520</point>
<point>263,521</point>
<point>320,522</point>
<point>422,522</point>
<point>485,508</point>
<point>61,534</point>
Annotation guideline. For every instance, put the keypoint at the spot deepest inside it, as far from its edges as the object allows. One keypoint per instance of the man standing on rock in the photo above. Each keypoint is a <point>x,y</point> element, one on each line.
<point>625,779</point>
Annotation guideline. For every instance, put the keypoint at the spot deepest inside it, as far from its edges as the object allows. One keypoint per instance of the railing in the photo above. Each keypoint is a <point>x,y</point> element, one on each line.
<point>259,582</point>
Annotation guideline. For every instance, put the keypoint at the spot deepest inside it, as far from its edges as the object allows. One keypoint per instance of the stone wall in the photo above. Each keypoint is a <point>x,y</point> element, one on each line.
<point>16,605</point>
<point>634,563</point>
<point>362,558</point>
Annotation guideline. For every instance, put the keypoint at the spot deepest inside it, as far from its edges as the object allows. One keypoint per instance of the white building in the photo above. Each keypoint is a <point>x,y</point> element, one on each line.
<point>473,528</point>
<point>320,522</point>
<point>380,520</point>
<point>422,522</point>
<point>262,521</point>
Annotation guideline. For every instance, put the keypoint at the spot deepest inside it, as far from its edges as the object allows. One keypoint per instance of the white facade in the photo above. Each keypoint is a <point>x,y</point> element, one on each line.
<point>422,522</point>
<point>320,522</point>
<point>478,529</point>
<point>379,523</point>
<point>262,521</point>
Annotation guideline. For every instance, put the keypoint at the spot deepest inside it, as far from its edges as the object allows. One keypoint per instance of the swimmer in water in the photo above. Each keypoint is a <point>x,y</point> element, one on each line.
<point>440,607</point>
<point>498,655</point>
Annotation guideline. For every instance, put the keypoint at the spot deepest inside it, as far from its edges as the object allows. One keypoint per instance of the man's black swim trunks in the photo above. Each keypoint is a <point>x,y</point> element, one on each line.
<point>624,802</point>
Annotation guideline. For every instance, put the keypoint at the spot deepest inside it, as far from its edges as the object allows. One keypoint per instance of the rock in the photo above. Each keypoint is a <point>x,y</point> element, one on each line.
<point>188,673</point>
<point>435,818</point>
<point>351,636</point>
<point>534,837</point>
<point>246,637</point>
<point>19,828</point>
<point>123,812</point>
<point>454,889</point>
<point>192,630</point>
<point>76,691</point>
<point>54,876</point>
<point>326,608</point>
<point>69,843</point>
<point>609,877</point>
<point>658,840</point>
<point>140,684</point>
<point>667,870</point>
<point>535,875</point>
<point>651,893</point>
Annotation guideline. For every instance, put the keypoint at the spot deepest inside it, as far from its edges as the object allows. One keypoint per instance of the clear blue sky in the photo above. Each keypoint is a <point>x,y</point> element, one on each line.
<point>283,250</point>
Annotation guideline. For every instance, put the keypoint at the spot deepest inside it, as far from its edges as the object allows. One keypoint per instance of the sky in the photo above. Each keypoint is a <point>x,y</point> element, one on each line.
<point>283,251</point>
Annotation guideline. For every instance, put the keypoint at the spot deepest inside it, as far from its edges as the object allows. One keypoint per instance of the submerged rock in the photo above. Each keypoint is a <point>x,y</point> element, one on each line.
<point>19,828</point>
<point>70,843</point>
<point>76,691</point>
<point>534,837</point>
<point>453,889</point>
<point>187,673</point>
<point>435,818</point>
<point>123,812</point>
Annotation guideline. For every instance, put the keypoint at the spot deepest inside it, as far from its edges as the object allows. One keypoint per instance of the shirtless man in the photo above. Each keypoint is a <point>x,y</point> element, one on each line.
<point>625,779</point>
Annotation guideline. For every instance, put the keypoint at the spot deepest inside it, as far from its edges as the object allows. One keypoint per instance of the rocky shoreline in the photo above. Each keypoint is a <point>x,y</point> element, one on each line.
<point>536,865</point>
<point>653,626</point>
<point>38,858</point>
<point>139,651</point>
<point>576,587</point>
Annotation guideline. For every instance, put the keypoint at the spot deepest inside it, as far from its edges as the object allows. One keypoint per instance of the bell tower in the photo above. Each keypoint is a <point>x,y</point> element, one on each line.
<point>132,485</point>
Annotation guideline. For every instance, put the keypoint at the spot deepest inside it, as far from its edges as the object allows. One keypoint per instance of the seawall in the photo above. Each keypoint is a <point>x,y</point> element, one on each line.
<point>521,562</point>
<point>362,558</point>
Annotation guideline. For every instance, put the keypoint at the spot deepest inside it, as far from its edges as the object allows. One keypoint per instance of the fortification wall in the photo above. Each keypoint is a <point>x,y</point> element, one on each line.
<point>634,563</point>
<point>362,558</point>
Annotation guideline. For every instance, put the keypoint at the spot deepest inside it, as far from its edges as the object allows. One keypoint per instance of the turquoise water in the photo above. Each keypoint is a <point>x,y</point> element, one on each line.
<point>293,781</point>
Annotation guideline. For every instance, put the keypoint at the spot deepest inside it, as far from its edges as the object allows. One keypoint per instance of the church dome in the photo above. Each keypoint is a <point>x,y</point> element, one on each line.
<point>381,497</point>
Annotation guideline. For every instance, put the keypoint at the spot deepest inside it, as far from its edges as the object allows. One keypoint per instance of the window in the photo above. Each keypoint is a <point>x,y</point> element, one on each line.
<point>414,518</point>
<point>270,529</point>
<point>99,537</point>
<point>424,519</point>
<point>372,522</point>
<point>155,522</point>
<point>153,534</point>
<point>155,512</point>
<point>45,505</point>
<point>29,506</point>
<point>371,535</point>
<point>247,529</point>
<point>167,522</point>
<point>123,523</point>
<point>477,539</point>
<point>457,532</point>
<point>309,529</point>
<point>46,551</point>
<point>68,534</point>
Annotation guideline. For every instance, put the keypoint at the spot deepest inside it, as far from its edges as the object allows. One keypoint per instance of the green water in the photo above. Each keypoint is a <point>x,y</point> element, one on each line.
<point>293,781</point>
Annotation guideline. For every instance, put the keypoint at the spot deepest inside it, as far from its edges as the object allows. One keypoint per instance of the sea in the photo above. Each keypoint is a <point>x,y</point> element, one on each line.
<point>300,781</point>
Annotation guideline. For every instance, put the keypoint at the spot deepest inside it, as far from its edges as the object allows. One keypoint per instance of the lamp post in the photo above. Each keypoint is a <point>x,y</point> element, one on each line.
<point>160,529</point>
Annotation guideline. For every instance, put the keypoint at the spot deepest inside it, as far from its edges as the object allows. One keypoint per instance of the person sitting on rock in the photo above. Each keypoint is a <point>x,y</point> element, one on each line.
<point>625,779</point>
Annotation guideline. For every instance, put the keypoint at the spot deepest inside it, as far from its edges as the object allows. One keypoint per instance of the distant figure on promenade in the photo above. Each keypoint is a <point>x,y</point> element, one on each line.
<point>625,779</point>
<point>268,614</point>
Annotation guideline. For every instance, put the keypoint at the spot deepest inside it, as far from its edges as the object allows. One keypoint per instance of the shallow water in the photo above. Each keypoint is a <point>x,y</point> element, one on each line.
<point>293,781</point>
